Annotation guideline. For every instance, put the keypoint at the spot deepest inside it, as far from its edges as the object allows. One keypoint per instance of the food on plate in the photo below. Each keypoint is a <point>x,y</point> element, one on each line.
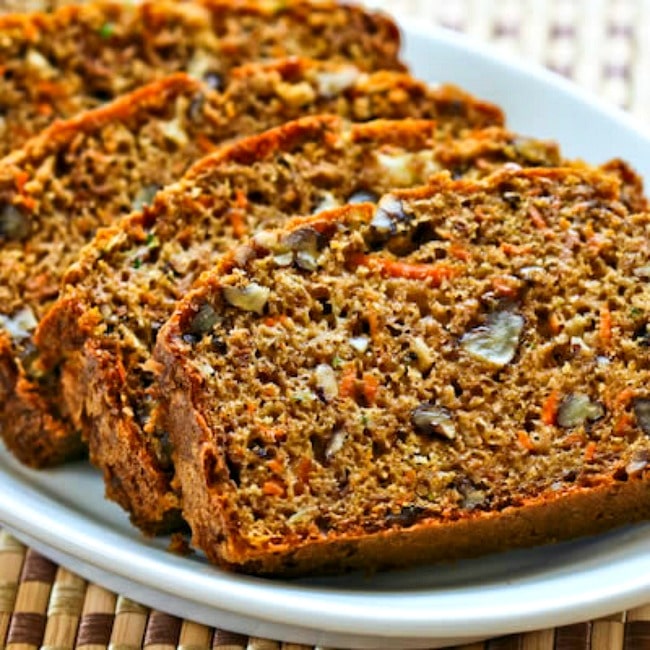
<point>456,370</point>
<point>125,284</point>
<point>78,57</point>
<point>86,172</point>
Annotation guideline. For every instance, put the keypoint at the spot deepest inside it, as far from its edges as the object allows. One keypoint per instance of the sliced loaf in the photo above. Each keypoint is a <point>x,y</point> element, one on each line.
<point>456,371</point>
<point>85,172</point>
<point>125,284</point>
<point>78,57</point>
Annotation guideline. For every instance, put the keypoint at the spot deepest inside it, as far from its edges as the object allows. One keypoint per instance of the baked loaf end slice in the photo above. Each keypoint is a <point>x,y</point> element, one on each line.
<point>78,57</point>
<point>460,370</point>
<point>89,170</point>
<point>126,282</point>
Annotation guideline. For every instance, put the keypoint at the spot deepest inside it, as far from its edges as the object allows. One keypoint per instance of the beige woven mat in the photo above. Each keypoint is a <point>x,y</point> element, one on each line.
<point>45,606</point>
<point>604,45</point>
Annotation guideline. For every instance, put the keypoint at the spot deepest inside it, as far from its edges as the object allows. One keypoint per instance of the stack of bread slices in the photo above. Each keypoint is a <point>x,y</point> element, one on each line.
<point>315,311</point>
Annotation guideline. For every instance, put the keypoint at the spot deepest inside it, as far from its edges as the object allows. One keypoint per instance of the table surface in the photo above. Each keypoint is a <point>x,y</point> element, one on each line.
<point>603,45</point>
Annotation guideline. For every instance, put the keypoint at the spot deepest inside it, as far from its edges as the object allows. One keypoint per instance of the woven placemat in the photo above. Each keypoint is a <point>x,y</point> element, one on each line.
<point>604,45</point>
<point>45,606</point>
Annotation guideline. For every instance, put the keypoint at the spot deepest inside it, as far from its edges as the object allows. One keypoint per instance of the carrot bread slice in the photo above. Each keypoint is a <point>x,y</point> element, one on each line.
<point>83,173</point>
<point>78,57</point>
<point>457,370</point>
<point>125,284</point>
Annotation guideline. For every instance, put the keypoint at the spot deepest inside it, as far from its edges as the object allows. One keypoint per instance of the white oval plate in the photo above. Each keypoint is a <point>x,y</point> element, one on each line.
<point>63,514</point>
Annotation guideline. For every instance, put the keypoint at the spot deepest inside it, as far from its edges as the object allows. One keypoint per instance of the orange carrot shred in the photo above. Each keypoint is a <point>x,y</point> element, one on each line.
<point>525,441</point>
<point>273,488</point>
<point>241,201</point>
<point>21,178</point>
<point>370,386</point>
<point>554,323</point>
<point>513,249</point>
<point>623,424</point>
<point>205,144</point>
<point>394,269</point>
<point>460,253</point>
<point>373,324</point>
<point>590,451</point>
<point>536,217</point>
<point>504,286</point>
<point>625,396</point>
<point>238,223</point>
<point>348,383</point>
<point>549,410</point>
<point>275,466</point>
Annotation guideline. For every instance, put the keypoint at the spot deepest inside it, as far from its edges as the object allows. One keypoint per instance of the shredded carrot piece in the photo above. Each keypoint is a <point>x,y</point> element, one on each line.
<point>554,323</point>
<point>370,386</point>
<point>272,435</point>
<point>348,383</point>
<point>590,451</point>
<point>20,179</point>
<point>31,31</point>
<point>205,144</point>
<point>238,223</point>
<point>273,488</point>
<point>241,200</point>
<point>514,249</point>
<point>270,321</point>
<point>373,324</point>
<point>304,469</point>
<point>623,423</point>
<point>605,325</point>
<point>435,272</point>
<point>251,407</point>
<point>460,253</point>
<point>577,437</point>
<point>537,218</point>
<point>504,286</point>
<point>549,410</point>
<point>44,109</point>
<point>624,396</point>
<point>29,202</point>
<point>275,466</point>
<point>525,441</point>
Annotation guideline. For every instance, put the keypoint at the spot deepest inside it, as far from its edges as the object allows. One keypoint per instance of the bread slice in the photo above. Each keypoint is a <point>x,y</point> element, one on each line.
<point>125,284</point>
<point>56,64</point>
<point>458,370</point>
<point>85,172</point>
